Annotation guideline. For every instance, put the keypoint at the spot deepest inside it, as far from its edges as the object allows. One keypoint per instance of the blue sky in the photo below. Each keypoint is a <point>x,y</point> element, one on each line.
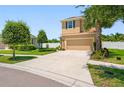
<point>45,17</point>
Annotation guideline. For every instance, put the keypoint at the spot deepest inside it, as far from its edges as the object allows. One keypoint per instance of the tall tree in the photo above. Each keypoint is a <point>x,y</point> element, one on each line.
<point>102,16</point>
<point>41,38</point>
<point>15,33</point>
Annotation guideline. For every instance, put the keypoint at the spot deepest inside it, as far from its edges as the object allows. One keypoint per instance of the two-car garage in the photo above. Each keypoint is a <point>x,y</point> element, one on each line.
<point>79,43</point>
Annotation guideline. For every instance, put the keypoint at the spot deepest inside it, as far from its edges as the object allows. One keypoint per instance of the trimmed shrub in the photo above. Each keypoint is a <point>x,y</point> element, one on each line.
<point>24,47</point>
<point>97,55</point>
<point>11,47</point>
<point>47,49</point>
<point>100,54</point>
<point>59,48</point>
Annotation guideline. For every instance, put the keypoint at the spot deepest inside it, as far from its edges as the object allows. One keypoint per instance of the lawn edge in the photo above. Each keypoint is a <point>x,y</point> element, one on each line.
<point>105,64</point>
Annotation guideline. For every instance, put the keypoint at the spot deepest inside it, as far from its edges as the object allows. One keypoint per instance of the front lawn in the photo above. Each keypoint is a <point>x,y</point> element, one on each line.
<point>29,52</point>
<point>106,77</point>
<point>9,59</point>
<point>112,58</point>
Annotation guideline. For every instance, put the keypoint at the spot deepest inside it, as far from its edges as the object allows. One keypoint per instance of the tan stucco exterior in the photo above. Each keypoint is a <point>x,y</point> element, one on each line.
<point>76,38</point>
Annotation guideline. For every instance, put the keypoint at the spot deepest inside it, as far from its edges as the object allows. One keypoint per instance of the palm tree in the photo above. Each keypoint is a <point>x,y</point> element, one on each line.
<point>101,16</point>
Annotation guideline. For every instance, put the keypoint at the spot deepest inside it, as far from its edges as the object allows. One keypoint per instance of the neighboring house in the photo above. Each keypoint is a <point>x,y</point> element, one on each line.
<point>34,40</point>
<point>2,45</point>
<point>74,37</point>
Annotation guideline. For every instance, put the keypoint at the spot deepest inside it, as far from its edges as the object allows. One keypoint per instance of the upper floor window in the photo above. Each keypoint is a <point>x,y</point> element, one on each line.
<point>70,24</point>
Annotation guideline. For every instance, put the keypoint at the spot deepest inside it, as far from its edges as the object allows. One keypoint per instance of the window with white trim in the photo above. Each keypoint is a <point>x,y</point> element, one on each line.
<point>70,24</point>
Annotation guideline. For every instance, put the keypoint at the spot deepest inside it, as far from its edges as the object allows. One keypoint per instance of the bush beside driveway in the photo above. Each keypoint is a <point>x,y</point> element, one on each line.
<point>114,53</point>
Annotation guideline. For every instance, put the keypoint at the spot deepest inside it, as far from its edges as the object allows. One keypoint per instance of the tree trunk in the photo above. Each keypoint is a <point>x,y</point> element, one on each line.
<point>13,52</point>
<point>98,37</point>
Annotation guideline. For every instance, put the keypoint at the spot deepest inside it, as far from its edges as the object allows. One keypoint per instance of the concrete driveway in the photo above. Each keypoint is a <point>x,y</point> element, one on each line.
<point>67,67</point>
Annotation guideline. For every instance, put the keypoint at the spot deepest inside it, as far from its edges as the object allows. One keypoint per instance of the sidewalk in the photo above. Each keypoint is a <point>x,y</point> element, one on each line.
<point>106,64</point>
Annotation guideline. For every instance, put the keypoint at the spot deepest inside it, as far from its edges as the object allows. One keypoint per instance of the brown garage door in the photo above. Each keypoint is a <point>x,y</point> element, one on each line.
<point>79,44</point>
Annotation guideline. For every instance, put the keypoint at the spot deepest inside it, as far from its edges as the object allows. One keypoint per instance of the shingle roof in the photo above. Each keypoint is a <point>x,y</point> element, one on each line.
<point>74,17</point>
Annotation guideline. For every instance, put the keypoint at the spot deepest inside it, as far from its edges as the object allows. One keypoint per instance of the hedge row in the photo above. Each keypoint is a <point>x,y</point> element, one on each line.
<point>47,49</point>
<point>24,47</point>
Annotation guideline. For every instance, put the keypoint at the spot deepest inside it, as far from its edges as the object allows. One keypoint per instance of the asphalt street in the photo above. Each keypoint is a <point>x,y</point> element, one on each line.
<point>16,78</point>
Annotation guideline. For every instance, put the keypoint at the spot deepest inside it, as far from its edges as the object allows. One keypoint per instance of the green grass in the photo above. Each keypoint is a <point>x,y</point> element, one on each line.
<point>9,59</point>
<point>30,52</point>
<point>112,58</point>
<point>103,79</point>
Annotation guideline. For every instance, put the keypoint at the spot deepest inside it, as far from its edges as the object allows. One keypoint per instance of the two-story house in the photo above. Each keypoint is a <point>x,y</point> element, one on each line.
<point>74,37</point>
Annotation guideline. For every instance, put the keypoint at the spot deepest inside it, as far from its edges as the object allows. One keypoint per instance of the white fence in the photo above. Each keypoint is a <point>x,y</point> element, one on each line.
<point>114,45</point>
<point>51,45</point>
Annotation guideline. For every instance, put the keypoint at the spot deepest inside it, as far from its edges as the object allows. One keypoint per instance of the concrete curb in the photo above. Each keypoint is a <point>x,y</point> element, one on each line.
<point>106,64</point>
